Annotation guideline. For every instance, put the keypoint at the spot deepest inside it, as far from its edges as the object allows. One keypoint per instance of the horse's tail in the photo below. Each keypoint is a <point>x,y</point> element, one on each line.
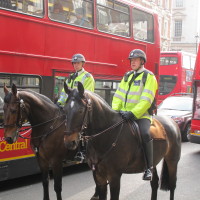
<point>164,178</point>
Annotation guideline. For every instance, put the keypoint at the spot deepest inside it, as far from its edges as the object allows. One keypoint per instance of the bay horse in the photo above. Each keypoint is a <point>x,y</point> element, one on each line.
<point>48,126</point>
<point>114,148</point>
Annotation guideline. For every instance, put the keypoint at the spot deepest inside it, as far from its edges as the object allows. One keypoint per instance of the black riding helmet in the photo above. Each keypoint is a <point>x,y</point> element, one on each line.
<point>137,53</point>
<point>78,58</point>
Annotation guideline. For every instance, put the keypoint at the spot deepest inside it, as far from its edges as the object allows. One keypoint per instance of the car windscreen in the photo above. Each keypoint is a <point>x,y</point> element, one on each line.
<point>177,104</point>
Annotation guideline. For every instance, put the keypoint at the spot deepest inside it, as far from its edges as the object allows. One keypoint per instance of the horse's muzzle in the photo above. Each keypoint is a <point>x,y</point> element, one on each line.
<point>71,145</point>
<point>12,137</point>
<point>71,142</point>
<point>9,140</point>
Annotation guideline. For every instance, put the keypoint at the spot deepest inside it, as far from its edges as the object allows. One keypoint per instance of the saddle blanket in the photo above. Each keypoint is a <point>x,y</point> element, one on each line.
<point>157,130</point>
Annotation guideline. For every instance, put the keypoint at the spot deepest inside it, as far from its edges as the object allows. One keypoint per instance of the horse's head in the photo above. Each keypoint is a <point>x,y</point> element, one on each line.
<point>13,117</point>
<point>76,110</point>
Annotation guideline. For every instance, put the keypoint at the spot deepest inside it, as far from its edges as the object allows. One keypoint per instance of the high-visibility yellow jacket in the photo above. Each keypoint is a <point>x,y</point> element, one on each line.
<point>82,76</point>
<point>138,98</point>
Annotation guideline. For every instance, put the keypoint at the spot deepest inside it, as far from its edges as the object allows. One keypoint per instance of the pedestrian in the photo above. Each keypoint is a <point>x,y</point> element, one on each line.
<point>81,75</point>
<point>133,98</point>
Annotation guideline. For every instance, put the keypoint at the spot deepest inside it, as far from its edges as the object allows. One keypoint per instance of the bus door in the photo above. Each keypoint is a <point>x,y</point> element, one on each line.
<point>195,126</point>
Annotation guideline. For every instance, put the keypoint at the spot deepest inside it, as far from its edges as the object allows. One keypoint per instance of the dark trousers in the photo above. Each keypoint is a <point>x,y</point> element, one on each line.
<point>144,126</point>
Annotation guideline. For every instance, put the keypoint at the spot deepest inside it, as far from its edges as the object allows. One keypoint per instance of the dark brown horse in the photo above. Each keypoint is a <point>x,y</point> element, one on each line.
<point>113,147</point>
<point>48,126</point>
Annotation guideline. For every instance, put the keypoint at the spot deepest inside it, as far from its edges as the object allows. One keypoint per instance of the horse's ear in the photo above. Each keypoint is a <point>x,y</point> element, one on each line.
<point>6,91</point>
<point>67,90</point>
<point>80,89</point>
<point>14,89</point>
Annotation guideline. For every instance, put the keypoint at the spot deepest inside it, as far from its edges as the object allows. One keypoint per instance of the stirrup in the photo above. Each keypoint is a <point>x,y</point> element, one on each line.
<point>80,157</point>
<point>147,176</point>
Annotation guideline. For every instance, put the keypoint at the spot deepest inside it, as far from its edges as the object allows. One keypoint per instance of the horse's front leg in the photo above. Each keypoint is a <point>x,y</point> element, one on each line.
<point>101,187</point>
<point>115,187</point>
<point>57,175</point>
<point>96,193</point>
<point>44,166</point>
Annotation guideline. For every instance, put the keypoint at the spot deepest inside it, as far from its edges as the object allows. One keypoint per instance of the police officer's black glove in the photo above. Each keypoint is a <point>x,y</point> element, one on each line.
<point>59,105</point>
<point>127,115</point>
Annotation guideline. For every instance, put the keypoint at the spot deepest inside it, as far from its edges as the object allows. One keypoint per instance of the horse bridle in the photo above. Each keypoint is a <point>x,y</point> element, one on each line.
<point>19,121</point>
<point>82,136</point>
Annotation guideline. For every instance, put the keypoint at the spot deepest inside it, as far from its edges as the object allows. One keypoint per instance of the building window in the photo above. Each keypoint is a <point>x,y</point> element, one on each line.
<point>166,29</point>
<point>166,5</point>
<point>178,28</point>
<point>179,3</point>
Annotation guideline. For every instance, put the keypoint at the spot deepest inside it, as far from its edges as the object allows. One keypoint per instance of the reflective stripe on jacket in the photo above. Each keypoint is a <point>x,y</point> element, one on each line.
<point>85,78</point>
<point>138,98</point>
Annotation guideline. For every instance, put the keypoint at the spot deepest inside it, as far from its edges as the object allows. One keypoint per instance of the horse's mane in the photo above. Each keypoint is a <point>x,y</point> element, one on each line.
<point>99,98</point>
<point>38,95</point>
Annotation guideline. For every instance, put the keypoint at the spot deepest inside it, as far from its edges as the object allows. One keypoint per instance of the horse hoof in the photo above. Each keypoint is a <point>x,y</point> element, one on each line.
<point>94,198</point>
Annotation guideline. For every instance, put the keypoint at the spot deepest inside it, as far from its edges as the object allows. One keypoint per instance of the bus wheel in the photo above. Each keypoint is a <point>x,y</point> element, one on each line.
<point>186,133</point>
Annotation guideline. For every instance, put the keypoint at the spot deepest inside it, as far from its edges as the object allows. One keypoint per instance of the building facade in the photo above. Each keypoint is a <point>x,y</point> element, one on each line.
<point>185,25</point>
<point>179,23</point>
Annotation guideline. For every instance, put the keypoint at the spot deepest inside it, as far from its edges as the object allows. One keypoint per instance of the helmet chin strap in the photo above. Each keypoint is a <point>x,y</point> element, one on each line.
<point>141,64</point>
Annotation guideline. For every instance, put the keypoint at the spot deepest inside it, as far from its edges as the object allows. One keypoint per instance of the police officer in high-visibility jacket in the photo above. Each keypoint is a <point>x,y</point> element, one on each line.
<point>78,61</point>
<point>133,99</point>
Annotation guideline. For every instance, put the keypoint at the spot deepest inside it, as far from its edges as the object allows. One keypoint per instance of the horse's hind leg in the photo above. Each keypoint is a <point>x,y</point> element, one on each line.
<point>172,170</point>
<point>57,175</point>
<point>169,178</point>
<point>154,185</point>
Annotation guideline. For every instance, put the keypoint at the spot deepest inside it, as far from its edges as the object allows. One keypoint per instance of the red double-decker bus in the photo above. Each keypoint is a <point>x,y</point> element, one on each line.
<point>176,71</point>
<point>194,135</point>
<point>38,39</point>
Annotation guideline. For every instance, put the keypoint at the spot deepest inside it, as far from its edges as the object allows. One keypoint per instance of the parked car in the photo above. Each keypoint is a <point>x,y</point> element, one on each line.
<point>178,108</point>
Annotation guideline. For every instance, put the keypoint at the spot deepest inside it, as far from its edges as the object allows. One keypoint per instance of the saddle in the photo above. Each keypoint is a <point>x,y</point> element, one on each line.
<point>157,130</point>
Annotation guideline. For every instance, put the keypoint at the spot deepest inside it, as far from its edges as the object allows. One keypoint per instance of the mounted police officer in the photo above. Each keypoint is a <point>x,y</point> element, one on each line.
<point>133,99</point>
<point>80,75</point>
<point>78,61</point>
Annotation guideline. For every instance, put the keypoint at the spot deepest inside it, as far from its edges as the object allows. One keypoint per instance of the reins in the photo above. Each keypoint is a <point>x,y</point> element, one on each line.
<point>86,138</point>
<point>48,133</point>
<point>43,123</point>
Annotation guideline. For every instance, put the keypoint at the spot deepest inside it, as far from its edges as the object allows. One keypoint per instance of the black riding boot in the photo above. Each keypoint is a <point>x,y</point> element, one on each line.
<point>148,152</point>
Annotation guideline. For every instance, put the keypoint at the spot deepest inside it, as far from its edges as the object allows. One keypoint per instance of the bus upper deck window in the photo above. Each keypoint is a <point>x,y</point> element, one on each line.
<point>113,18</point>
<point>79,13</point>
<point>24,6</point>
<point>143,26</point>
